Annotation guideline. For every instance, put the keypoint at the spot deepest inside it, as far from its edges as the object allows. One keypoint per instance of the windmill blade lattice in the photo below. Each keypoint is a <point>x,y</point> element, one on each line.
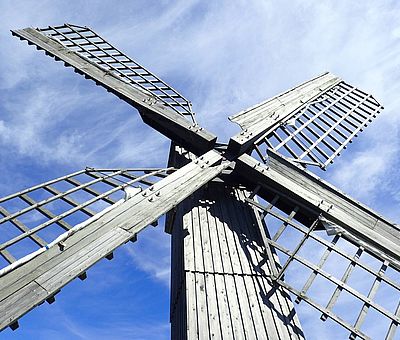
<point>312,123</point>
<point>296,223</point>
<point>159,105</point>
<point>94,48</point>
<point>38,271</point>
<point>332,272</point>
<point>36,216</point>
<point>334,254</point>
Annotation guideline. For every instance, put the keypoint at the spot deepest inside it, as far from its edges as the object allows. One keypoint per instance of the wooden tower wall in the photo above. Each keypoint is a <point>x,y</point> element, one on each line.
<point>219,275</point>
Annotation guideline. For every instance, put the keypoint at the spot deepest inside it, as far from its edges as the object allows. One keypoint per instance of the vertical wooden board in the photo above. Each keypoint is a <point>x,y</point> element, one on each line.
<point>192,316</point>
<point>223,243</point>
<point>227,232</point>
<point>213,307</point>
<point>247,315</point>
<point>236,313</point>
<point>188,250</point>
<point>287,323</point>
<point>202,306</point>
<point>214,241</point>
<point>256,258</point>
<point>197,242</point>
<point>205,244</point>
<point>225,320</point>
<point>268,308</point>
<point>264,324</point>
<point>175,272</point>
<point>243,236</point>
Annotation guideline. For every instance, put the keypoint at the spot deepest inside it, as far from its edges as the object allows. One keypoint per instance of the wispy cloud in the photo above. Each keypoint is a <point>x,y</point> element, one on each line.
<point>224,57</point>
<point>152,254</point>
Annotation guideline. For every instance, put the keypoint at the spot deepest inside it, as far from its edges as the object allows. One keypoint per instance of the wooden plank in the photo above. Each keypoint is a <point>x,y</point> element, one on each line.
<point>202,306</point>
<point>213,307</point>
<point>166,121</point>
<point>264,117</point>
<point>19,300</point>
<point>192,317</point>
<point>359,221</point>
<point>237,301</point>
<point>55,267</point>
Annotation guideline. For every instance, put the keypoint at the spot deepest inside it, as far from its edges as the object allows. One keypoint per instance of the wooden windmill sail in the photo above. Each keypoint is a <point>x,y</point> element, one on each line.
<point>253,232</point>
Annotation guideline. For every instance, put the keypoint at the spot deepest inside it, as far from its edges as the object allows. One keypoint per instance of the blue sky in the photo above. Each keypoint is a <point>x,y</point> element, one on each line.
<point>222,55</point>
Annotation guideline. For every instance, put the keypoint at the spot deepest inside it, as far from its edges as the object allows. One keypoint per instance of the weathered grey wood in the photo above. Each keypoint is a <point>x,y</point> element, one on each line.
<point>69,200</point>
<point>166,121</point>
<point>382,310</point>
<point>329,245</point>
<point>371,229</point>
<point>267,115</point>
<point>371,295</point>
<point>346,275</point>
<point>4,252</point>
<point>45,211</point>
<point>90,190</point>
<point>54,268</point>
<point>223,276</point>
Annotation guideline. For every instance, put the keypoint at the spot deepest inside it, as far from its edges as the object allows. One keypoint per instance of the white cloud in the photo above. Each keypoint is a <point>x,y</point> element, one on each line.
<point>151,253</point>
<point>224,57</point>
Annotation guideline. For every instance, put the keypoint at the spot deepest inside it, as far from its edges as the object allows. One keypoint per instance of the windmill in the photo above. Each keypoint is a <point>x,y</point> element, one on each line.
<point>253,231</point>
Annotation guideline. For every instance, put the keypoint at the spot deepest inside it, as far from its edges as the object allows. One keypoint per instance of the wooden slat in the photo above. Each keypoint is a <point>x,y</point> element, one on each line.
<point>45,212</point>
<point>55,268</point>
<point>226,279</point>
<point>69,200</point>
<point>262,118</point>
<point>168,122</point>
<point>35,238</point>
<point>310,191</point>
<point>90,190</point>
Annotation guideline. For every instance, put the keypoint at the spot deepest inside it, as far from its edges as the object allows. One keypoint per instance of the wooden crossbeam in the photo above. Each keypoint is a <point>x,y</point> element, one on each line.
<point>170,123</point>
<point>45,211</point>
<point>90,190</point>
<point>27,286</point>
<point>261,118</point>
<point>361,223</point>
<point>69,200</point>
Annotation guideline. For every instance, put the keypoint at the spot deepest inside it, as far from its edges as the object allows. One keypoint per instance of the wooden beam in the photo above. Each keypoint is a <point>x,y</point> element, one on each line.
<point>168,122</point>
<point>33,282</point>
<point>358,222</point>
<point>266,116</point>
<point>221,284</point>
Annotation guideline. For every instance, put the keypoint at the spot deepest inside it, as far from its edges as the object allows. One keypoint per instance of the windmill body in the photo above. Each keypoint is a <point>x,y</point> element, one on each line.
<point>253,232</point>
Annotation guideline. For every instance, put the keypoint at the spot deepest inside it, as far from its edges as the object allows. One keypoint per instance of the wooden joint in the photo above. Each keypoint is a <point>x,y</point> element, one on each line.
<point>51,299</point>
<point>61,245</point>
<point>83,276</point>
<point>110,256</point>
<point>14,325</point>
